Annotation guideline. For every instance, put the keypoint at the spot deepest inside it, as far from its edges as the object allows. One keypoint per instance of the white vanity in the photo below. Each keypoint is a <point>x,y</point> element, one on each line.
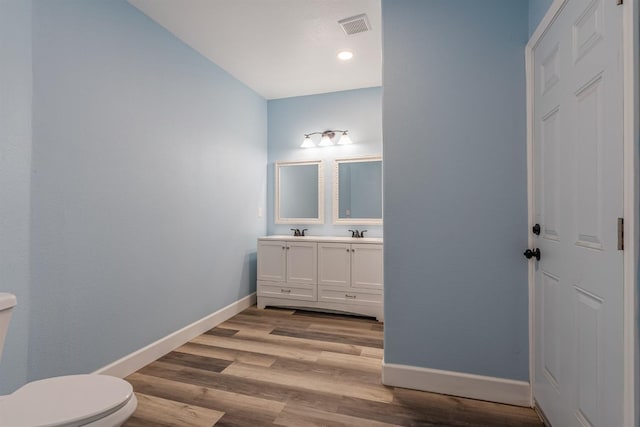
<point>342,274</point>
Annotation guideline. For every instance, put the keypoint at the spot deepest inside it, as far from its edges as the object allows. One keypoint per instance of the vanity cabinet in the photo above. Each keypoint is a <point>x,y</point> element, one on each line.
<point>350,266</point>
<point>287,269</point>
<point>350,273</point>
<point>287,261</point>
<point>330,273</point>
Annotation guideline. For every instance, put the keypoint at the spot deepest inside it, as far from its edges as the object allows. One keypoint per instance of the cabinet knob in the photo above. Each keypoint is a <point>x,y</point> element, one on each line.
<point>283,248</point>
<point>353,250</point>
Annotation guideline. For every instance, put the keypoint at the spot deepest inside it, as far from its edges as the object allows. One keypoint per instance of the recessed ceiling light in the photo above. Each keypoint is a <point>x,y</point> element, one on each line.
<point>345,55</point>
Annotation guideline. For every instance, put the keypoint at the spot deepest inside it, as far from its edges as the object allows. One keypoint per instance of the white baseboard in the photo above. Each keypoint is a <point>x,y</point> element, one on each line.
<point>491,389</point>
<point>140,358</point>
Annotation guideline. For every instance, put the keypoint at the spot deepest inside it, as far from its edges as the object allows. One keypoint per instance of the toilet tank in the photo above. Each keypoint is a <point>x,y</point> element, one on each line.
<point>7,302</point>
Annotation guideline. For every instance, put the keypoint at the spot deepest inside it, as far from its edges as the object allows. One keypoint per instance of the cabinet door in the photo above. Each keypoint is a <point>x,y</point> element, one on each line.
<point>272,260</point>
<point>366,266</point>
<point>334,264</point>
<point>302,262</point>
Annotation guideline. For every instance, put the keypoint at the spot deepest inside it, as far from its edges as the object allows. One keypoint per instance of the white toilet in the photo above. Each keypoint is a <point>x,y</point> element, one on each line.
<point>68,401</point>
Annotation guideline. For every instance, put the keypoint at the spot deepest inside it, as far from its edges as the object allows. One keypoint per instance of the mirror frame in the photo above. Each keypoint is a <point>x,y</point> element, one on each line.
<point>336,192</point>
<point>302,221</point>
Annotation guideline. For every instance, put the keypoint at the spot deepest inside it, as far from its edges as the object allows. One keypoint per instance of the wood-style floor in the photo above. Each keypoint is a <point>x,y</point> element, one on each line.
<point>295,368</point>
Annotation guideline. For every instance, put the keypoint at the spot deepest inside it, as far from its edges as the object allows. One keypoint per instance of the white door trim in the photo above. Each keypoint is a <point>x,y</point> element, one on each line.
<point>631,47</point>
<point>631,86</point>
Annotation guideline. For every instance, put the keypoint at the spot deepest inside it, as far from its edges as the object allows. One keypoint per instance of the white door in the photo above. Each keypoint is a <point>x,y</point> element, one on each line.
<point>334,264</point>
<point>272,260</point>
<point>578,285</point>
<point>302,262</point>
<point>367,266</point>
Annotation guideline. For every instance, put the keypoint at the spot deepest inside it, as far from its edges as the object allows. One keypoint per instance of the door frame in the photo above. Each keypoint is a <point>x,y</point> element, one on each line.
<point>631,195</point>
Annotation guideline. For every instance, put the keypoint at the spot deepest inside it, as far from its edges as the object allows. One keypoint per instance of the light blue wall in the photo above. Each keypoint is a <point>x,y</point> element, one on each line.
<point>359,111</point>
<point>15,162</point>
<point>455,185</point>
<point>149,166</point>
<point>537,10</point>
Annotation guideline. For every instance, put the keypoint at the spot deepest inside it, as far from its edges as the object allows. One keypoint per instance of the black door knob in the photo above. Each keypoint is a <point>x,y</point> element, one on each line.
<point>532,254</point>
<point>536,229</point>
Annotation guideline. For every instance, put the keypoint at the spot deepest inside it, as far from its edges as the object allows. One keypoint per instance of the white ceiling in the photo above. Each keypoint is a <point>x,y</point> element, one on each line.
<point>279,48</point>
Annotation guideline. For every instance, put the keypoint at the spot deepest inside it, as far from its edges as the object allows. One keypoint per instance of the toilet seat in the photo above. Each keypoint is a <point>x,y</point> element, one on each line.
<point>67,401</point>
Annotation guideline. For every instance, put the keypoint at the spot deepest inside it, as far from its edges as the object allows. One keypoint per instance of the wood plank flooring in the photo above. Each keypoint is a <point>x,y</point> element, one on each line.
<point>295,368</point>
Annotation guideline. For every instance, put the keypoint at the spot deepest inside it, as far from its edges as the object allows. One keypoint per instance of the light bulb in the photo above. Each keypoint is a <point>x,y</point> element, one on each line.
<point>344,139</point>
<point>325,141</point>
<point>307,142</point>
<point>345,55</point>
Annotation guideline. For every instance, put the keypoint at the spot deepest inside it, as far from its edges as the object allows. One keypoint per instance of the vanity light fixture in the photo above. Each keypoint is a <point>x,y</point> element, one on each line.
<point>325,139</point>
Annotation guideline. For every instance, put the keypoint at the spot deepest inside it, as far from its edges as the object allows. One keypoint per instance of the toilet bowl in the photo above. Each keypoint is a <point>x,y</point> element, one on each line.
<point>69,401</point>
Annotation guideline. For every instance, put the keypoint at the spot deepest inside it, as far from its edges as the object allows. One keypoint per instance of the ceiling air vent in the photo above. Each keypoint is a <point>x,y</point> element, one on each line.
<point>355,24</point>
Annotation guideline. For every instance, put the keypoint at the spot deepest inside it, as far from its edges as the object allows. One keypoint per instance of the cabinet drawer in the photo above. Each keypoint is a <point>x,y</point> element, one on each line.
<point>349,296</point>
<point>287,291</point>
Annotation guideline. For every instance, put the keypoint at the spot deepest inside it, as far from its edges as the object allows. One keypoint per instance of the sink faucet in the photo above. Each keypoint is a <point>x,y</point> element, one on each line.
<point>297,232</point>
<point>356,233</point>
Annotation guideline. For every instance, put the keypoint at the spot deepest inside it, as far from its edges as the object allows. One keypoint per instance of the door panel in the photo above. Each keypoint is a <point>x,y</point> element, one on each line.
<point>587,29</point>
<point>366,266</point>
<point>588,356</point>
<point>577,172</point>
<point>588,152</point>
<point>550,329</point>
<point>551,173</point>
<point>302,262</point>
<point>334,264</point>
<point>272,260</point>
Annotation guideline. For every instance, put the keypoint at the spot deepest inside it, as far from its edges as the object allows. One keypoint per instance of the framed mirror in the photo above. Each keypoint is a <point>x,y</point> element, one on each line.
<point>299,192</point>
<point>357,191</point>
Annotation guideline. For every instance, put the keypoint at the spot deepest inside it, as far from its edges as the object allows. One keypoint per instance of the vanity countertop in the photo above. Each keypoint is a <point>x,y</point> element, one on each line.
<point>333,239</point>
